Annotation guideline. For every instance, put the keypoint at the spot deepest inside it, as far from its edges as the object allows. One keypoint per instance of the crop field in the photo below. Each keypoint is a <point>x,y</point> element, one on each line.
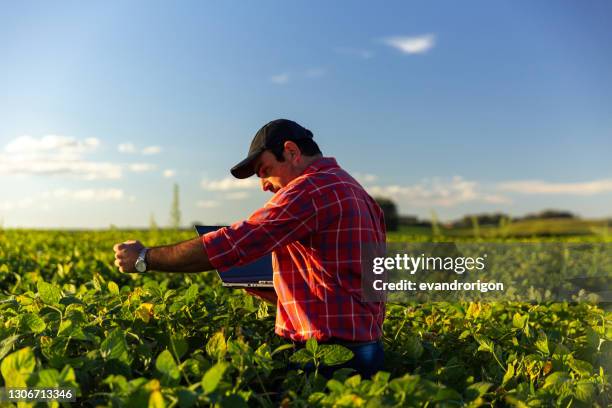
<point>68,318</point>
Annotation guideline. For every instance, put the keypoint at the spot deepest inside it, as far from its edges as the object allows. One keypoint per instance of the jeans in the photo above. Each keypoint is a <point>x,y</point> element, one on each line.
<point>367,360</point>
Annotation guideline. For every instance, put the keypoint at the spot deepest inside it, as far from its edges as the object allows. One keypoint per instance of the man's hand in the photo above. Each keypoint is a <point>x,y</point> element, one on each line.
<point>126,254</point>
<point>264,294</point>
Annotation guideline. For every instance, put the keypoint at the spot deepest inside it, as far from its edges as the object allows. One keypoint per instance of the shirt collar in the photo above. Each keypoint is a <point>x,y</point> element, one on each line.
<point>320,164</point>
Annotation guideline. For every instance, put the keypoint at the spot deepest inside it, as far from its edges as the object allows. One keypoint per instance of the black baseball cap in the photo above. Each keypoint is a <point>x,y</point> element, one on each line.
<point>272,134</point>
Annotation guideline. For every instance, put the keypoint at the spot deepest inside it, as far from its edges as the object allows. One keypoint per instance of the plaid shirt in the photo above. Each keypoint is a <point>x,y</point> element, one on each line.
<point>315,228</point>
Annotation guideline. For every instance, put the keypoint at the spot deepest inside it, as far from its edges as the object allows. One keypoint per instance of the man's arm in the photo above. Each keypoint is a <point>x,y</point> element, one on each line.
<point>186,256</point>
<point>267,295</point>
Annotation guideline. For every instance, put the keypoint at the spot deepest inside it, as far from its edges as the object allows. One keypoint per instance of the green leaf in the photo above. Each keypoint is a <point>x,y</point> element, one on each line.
<point>114,347</point>
<point>17,367</point>
<point>233,401</point>
<point>216,346</point>
<point>31,322</point>
<point>584,368</point>
<point>282,348</point>
<point>48,378</point>
<point>446,394</point>
<point>335,354</point>
<point>509,374</point>
<point>7,344</point>
<point>302,356</point>
<point>519,321</point>
<point>67,376</point>
<point>186,398</point>
<point>156,400</point>
<point>335,386</point>
<point>477,390</point>
<point>113,288</point>
<point>311,345</point>
<point>556,379</point>
<point>584,391</point>
<point>166,365</point>
<point>542,343</point>
<point>49,293</point>
<point>213,376</point>
<point>68,328</point>
<point>413,347</point>
<point>353,382</point>
<point>191,294</point>
<point>153,288</point>
<point>179,345</point>
<point>485,343</point>
<point>560,350</point>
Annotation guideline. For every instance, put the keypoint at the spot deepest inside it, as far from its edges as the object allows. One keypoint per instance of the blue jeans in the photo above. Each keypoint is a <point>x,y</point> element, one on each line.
<point>367,360</point>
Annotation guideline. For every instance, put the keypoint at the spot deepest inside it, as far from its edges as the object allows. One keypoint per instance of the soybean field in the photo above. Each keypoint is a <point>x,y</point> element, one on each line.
<point>69,319</point>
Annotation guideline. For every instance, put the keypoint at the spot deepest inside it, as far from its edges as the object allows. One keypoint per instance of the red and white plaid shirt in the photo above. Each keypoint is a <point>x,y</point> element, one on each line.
<point>315,227</point>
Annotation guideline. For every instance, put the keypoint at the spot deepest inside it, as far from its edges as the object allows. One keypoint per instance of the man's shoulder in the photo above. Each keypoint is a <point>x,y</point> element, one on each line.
<point>323,176</point>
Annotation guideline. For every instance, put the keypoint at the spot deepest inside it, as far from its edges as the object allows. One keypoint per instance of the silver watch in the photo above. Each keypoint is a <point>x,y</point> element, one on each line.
<point>141,261</point>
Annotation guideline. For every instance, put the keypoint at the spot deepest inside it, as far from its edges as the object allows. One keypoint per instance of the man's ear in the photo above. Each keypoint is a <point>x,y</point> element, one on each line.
<point>292,150</point>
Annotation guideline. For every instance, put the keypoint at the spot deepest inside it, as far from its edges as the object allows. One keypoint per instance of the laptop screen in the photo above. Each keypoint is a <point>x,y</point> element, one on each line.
<point>252,273</point>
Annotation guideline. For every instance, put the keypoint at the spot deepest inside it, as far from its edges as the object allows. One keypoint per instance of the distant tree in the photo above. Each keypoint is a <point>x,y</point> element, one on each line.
<point>390,211</point>
<point>468,221</point>
<point>435,224</point>
<point>557,214</point>
<point>175,211</point>
<point>408,220</point>
<point>152,224</point>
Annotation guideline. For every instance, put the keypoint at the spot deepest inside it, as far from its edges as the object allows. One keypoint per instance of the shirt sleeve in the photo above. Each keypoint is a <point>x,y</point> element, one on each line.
<point>289,216</point>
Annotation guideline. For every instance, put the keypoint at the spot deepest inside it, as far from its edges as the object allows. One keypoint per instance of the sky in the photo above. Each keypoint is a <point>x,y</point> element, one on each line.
<point>446,107</point>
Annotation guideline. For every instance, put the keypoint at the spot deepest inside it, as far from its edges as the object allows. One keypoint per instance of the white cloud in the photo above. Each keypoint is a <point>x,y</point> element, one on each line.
<point>229,183</point>
<point>6,206</point>
<point>141,167</point>
<point>543,187</point>
<point>365,178</point>
<point>126,148</point>
<point>66,146</point>
<point>151,150</point>
<point>238,195</point>
<point>280,79</point>
<point>315,72</point>
<point>169,173</point>
<point>41,200</point>
<point>79,169</point>
<point>90,194</point>
<point>356,52</point>
<point>55,155</point>
<point>412,45</point>
<point>129,147</point>
<point>438,192</point>
<point>207,204</point>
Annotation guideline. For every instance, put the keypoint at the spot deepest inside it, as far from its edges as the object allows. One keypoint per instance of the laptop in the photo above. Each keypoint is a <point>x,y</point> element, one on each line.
<point>257,274</point>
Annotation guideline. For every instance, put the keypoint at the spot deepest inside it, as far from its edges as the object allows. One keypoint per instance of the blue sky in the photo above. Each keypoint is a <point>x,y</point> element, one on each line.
<point>452,107</point>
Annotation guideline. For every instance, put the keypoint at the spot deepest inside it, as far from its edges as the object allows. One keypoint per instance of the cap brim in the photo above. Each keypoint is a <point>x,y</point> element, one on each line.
<point>245,168</point>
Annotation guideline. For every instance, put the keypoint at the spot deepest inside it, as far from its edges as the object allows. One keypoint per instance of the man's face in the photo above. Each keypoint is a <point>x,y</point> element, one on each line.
<point>274,174</point>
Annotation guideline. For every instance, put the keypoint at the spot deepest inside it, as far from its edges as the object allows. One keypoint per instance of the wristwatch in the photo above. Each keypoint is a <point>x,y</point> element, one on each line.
<point>141,261</point>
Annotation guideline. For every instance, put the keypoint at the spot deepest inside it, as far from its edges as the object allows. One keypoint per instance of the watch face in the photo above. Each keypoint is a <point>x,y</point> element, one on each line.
<point>140,265</point>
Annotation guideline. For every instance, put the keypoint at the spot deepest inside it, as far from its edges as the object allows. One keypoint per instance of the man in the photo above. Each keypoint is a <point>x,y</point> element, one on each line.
<point>316,226</point>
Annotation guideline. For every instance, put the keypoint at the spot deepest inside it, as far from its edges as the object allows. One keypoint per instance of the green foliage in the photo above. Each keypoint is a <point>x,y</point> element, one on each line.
<point>390,212</point>
<point>175,210</point>
<point>69,318</point>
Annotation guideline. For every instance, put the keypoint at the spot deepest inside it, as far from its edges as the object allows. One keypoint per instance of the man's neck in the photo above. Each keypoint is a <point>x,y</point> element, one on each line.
<point>308,160</point>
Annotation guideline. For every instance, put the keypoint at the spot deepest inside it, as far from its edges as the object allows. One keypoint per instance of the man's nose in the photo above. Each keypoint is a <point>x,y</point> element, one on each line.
<point>264,185</point>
